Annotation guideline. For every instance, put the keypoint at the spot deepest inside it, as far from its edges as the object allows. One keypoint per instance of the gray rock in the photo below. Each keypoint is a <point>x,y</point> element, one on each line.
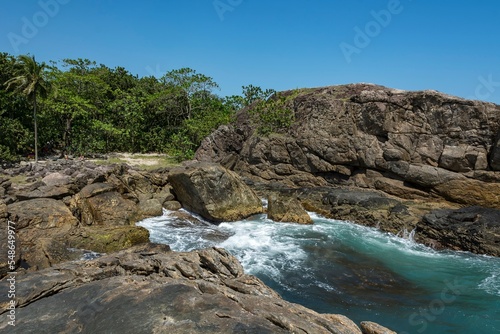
<point>148,289</point>
<point>365,199</point>
<point>56,179</point>
<point>172,205</point>
<point>55,192</point>
<point>473,229</point>
<point>150,208</point>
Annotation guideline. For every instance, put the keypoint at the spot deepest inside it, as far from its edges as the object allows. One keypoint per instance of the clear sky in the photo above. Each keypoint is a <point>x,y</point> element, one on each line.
<point>449,46</point>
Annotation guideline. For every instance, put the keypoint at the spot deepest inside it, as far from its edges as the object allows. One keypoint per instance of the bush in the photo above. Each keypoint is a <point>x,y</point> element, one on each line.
<point>274,115</point>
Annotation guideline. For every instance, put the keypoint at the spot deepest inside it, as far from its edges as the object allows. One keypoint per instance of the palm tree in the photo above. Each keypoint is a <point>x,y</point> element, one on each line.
<point>29,79</point>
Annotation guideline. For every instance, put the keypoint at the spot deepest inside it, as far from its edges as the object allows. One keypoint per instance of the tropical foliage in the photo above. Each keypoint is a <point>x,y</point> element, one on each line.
<point>77,107</point>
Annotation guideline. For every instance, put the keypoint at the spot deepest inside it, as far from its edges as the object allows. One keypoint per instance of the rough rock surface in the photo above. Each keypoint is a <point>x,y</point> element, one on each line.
<point>148,289</point>
<point>369,327</point>
<point>41,225</point>
<point>287,210</point>
<point>60,205</point>
<point>473,229</point>
<point>102,204</point>
<point>106,239</point>
<point>364,135</point>
<point>4,240</point>
<point>214,192</point>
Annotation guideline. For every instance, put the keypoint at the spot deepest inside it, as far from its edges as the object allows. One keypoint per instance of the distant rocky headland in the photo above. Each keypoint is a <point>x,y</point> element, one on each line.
<point>419,163</point>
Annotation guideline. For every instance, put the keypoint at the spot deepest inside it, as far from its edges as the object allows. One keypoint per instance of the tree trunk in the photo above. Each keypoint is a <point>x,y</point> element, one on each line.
<point>36,128</point>
<point>67,134</point>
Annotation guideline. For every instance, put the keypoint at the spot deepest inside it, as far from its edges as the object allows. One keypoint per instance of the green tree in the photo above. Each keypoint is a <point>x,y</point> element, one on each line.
<point>29,79</point>
<point>192,85</point>
<point>15,114</point>
<point>253,93</point>
<point>270,112</point>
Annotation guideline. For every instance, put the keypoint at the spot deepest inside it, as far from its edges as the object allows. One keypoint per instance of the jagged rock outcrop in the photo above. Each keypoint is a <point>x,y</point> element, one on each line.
<point>214,192</point>
<point>287,210</point>
<point>473,229</point>
<point>148,289</point>
<point>425,143</point>
<point>41,226</point>
<point>61,208</point>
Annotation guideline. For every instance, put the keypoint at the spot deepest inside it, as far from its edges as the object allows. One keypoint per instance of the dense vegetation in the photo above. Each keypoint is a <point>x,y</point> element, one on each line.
<point>77,107</point>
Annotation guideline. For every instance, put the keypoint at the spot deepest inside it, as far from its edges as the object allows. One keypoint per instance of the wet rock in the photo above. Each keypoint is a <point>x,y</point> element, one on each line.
<point>148,289</point>
<point>366,199</point>
<point>287,210</point>
<point>214,192</point>
<point>172,205</point>
<point>473,229</point>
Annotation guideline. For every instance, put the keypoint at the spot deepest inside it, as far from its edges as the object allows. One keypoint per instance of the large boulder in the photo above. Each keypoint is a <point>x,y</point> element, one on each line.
<point>41,227</point>
<point>148,289</point>
<point>102,204</point>
<point>343,134</point>
<point>473,229</point>
<point>287,210</point>
<point>214,192</point>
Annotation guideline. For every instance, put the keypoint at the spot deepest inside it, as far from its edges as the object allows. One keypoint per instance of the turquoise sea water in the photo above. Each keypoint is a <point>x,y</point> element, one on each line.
<point>339,267</point>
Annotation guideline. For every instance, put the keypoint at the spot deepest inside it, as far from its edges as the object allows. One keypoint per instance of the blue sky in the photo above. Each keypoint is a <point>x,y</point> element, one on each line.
<point>450,46</point>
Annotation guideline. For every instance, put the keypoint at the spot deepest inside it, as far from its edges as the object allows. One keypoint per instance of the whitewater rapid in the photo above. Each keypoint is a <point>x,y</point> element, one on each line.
<point>340,267</point>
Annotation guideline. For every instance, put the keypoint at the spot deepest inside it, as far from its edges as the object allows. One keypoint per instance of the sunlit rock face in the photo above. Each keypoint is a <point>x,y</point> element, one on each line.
<point>405,143</point>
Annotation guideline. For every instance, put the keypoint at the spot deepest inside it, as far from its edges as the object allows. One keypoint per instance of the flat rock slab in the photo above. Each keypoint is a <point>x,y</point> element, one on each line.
<point>148,289</point>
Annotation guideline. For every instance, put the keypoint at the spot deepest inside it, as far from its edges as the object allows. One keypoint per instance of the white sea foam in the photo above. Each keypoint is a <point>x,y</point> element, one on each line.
<point>286,255</point>
<point>491,284</point>
<point>261,248</point>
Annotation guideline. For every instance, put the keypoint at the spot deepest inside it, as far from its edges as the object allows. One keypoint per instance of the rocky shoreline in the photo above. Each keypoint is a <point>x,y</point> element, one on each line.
<point>379,157</point>
<point>410,172</point>
<point>62,209</point>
